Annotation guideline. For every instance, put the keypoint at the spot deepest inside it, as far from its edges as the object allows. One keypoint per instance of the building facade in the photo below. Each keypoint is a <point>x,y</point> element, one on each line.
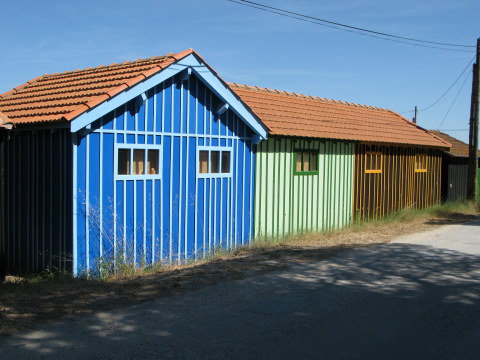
<point>142,162</point>
<point>328,163</point>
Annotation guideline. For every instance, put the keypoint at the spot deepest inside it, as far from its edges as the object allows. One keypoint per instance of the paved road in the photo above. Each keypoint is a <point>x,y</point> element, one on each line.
<point>415,298</point>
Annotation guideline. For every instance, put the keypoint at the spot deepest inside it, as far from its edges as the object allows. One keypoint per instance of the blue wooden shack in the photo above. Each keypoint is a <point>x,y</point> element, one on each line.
<point>141,162</point>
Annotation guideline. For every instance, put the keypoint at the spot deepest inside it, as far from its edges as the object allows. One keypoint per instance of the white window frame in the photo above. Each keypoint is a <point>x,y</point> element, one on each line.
<point>209,175</point>
<point>132,147</point>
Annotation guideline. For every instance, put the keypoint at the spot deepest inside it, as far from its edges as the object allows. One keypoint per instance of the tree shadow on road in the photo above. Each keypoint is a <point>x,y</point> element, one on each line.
<point>455,218</point>
<point>395,301</point>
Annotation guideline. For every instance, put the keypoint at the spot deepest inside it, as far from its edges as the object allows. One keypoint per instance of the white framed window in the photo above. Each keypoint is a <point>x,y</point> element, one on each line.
<point>214,161</point>
<point>137,161</point>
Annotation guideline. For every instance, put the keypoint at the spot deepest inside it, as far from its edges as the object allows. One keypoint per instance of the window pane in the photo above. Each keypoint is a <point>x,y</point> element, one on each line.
<point>215,162</point>
<point>313,165</point>
<point>138,161</point>
<point>306,161</point>
<point>225,162</point>
<point>299,161</point>
<point>203,162</point>
<point>153,162</point>
<point>123,161</point>
<point>373,162</point>
<point>369,161</point>
<point>421,163</point>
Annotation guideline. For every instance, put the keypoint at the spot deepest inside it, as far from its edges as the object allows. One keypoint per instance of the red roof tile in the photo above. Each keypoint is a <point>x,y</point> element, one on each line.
<point>291,114</point>
<point>459,148</point>
<point>64,96</point>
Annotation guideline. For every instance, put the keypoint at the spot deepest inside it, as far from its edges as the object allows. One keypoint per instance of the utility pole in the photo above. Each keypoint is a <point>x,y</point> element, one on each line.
<point>415,116</point>
<point>473,135</point>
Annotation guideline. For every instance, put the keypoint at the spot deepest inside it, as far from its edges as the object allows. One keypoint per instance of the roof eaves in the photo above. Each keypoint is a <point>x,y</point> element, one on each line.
<point>411,123</point>
<point>4,118</point>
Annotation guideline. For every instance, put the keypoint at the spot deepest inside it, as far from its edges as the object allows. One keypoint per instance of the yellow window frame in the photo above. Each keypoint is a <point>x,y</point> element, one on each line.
<point>421,160</point>
<point>373,155</point>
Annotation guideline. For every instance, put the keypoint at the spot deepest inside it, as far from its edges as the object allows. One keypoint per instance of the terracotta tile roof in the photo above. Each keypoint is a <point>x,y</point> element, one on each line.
<point>291,114</point>
<point>459,148</point>
<point>64,96</point>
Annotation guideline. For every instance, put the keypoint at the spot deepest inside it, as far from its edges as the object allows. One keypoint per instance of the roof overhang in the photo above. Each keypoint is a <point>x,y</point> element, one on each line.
<point>196,66</point>
<point>5,122</point>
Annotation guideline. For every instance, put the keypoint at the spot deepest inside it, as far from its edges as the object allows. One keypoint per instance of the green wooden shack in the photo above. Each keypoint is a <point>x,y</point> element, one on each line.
<point>321,155</point>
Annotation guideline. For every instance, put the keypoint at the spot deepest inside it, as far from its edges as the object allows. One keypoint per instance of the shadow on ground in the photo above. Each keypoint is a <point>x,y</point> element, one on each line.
<point>393,301</point>
<point>454,218</point>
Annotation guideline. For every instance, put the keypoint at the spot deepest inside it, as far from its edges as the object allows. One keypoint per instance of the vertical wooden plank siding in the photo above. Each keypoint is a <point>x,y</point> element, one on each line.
<point>38,195</point>
<point>454,178</point>
<point>3,255</point>
<point>398,185</point>
<point>287,203</point>
<point>177,214</point>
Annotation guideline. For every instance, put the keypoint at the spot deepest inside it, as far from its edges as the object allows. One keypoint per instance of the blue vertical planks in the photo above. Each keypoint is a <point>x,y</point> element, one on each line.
<point>176,214</point>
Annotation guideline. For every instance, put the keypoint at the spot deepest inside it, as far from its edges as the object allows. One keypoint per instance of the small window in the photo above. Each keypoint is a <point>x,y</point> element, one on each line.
<point>373,162</point>
<point>420,163</point>
<point>215,162</point>
<point>138,161</point>
<point>306,162</point>
<point>124,161</point>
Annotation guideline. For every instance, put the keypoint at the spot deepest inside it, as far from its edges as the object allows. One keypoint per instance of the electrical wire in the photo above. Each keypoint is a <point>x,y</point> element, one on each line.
<point>454,100</point>
<point>455,129</point>
<point>441,96</point>
<point>348,28</point>
<point>449,88</point>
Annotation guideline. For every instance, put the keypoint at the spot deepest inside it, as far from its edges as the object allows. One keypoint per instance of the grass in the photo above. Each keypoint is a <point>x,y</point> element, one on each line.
<point>443,214</point>
<point>32,300</point>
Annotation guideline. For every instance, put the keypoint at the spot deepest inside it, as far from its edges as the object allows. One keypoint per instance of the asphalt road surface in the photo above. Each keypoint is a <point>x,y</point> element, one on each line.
<point>415,298</point>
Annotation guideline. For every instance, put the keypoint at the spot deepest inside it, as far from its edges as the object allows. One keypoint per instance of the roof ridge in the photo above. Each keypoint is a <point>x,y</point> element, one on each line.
<point>125,63</point>
<point>112,65</point>
<point>174,56</point>
<point>20,87</point>
<point>282,92</point>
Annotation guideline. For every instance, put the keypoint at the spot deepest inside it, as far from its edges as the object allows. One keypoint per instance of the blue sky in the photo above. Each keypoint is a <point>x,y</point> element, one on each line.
<point>248,46</point>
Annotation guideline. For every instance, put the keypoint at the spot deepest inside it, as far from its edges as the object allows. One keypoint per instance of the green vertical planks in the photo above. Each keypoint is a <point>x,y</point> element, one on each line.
<point>287,203</point>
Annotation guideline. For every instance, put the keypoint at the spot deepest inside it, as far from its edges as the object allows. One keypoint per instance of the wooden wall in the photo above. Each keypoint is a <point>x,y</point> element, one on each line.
<point>3,256</point>
<point>287,202</point>
<point>397,183</point>
<point>178,214</point>
<point>37,201</point>
<point>454,178</point>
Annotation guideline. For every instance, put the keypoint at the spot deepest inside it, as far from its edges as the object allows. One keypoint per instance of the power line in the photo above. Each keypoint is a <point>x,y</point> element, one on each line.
<point>449,88</point>
<point>455,129</point>
<point>443,95</point>
<point>455,99</point>
<point>344,27</point>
